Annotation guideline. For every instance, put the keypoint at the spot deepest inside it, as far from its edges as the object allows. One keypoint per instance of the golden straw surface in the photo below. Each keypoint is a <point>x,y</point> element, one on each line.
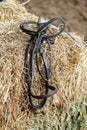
<point>69,75</point>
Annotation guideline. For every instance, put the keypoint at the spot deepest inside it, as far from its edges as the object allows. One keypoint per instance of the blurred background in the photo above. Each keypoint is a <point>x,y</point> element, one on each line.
<point>74,12</point>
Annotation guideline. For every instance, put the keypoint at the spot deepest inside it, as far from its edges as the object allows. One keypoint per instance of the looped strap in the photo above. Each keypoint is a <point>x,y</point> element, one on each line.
<point>39,37</point>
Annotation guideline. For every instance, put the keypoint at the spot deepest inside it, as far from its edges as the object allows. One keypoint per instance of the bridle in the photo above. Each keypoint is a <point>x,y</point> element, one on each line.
<point>34,49</point>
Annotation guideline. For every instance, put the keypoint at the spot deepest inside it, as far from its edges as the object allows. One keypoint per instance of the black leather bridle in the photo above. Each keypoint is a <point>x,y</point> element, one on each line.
<point>34,48</point>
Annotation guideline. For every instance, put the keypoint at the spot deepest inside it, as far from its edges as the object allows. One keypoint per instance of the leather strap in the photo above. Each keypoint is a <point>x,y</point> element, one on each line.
<point>34,48</point>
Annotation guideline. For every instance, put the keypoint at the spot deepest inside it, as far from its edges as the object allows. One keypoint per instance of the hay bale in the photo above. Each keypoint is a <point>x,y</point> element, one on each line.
<point>66,109</point>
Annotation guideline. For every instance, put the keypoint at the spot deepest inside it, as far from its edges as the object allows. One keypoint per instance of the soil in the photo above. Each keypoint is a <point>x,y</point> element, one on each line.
<point>74,12</point>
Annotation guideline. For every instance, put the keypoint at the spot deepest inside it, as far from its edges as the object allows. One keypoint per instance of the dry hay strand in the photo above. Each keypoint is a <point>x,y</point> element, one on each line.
<point>69,75</point>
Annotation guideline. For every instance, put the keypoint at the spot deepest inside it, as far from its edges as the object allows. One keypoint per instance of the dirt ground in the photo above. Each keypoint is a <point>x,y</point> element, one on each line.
<point>74,12</point>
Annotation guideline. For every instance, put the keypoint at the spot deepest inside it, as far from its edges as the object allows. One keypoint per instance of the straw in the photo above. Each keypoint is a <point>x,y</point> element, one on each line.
<point>65,110</point>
